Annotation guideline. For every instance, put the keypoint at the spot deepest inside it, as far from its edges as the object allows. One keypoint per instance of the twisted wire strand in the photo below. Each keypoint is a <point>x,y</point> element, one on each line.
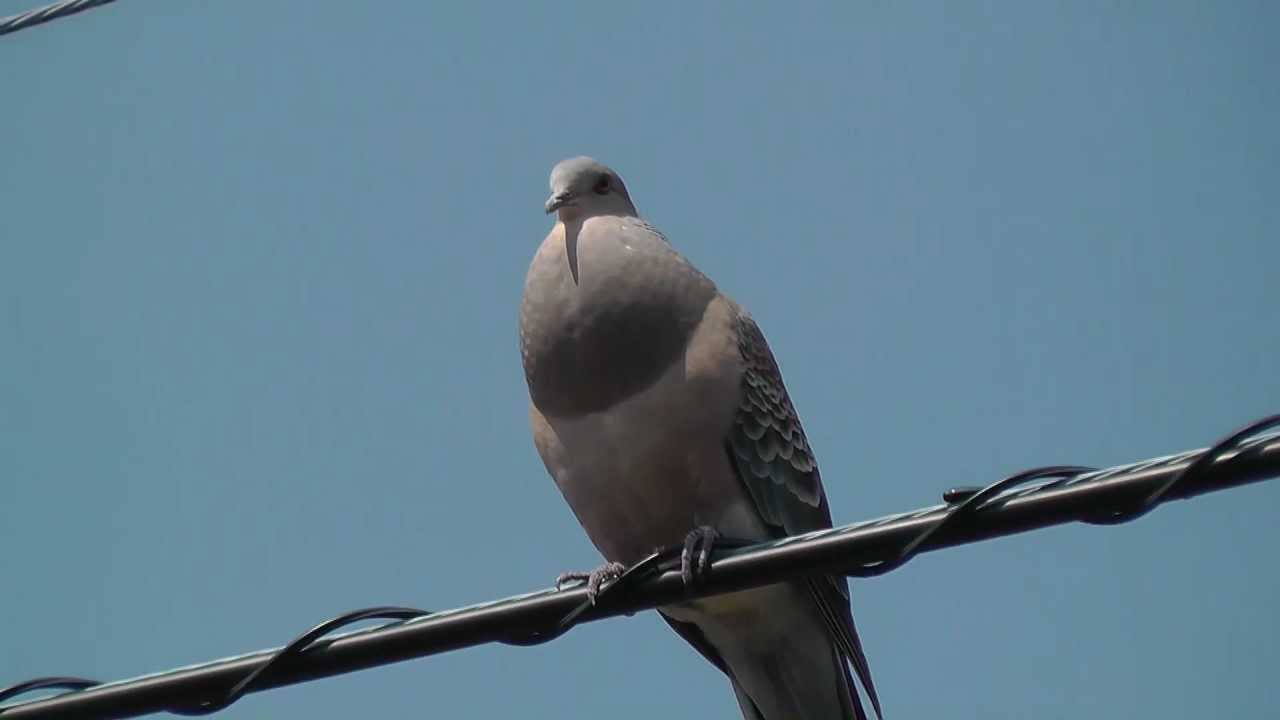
<point>38,16</point>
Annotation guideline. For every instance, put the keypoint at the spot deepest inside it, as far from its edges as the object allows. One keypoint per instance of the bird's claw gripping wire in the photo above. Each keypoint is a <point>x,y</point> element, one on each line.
<point>596,579</point>
<point>695,555</point>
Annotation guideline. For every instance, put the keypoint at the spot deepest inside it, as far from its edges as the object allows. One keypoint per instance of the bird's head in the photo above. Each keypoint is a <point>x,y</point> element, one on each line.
<point>582,188</point>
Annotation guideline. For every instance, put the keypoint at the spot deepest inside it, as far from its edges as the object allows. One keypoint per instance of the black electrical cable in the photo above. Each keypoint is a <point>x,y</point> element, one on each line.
<point>965,506</point>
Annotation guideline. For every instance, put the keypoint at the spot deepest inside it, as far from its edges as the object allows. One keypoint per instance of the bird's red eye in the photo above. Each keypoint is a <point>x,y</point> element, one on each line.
<point>602,185</point>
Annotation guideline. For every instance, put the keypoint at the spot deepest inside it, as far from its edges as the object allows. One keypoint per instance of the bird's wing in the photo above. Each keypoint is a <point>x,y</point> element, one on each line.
<point>773,459</point>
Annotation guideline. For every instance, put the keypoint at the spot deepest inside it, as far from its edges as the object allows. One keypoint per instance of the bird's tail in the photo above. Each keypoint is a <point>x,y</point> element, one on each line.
<point>748,706</point>
<point>838,617</point>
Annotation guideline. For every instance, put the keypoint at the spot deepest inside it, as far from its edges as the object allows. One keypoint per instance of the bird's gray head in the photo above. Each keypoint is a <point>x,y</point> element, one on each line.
<point>582,187</point>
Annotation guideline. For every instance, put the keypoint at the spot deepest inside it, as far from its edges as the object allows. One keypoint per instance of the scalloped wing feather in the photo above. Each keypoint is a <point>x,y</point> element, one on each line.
<point>773,458</point>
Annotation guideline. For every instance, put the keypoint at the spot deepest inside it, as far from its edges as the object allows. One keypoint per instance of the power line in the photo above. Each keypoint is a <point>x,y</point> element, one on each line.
<point>868,548</point>
<point>31,18</point>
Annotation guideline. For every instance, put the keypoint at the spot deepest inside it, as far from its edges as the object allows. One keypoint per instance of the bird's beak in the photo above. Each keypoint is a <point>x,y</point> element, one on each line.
<point>557,201</point>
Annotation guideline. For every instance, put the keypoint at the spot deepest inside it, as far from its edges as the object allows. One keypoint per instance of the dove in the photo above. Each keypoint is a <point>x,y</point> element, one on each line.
<point>659,411</point>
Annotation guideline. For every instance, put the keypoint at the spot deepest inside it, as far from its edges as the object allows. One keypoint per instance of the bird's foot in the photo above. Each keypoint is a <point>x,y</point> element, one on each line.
<point>595,579</point>
<point>695,559</point>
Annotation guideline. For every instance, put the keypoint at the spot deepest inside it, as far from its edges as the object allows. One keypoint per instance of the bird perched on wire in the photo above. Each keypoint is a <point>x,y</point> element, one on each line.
<point>660,413</point>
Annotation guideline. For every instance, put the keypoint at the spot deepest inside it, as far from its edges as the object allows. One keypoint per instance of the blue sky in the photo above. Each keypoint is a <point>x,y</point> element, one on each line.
<point>260,264</point>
